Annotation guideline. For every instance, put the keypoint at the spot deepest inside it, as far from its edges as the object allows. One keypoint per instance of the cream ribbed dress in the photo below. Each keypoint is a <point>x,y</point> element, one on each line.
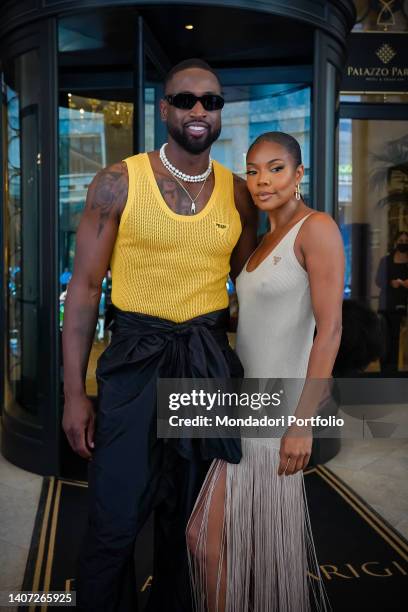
<point>276,321</point>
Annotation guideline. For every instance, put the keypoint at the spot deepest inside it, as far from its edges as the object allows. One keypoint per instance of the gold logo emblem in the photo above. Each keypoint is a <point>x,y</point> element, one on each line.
<point>385,53</point>
<point>221,227</point>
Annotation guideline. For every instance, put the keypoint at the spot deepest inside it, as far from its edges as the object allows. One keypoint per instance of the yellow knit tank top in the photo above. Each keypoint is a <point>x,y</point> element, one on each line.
<point>169,265</point>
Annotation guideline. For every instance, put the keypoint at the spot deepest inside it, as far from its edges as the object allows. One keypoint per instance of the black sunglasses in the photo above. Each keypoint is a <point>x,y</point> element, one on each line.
<point>187,101</point>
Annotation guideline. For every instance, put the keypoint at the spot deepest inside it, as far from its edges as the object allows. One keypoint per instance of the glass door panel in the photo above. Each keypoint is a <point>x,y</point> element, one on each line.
<point>250,111</point>
<point>150,112</point>
<point>93,133</point>
<point>373,216</point>
<point>21,97</point>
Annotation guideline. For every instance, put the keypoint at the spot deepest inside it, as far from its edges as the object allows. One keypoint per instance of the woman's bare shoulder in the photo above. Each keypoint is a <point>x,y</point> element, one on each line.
<point>319,228</point>
<point>318,219</point>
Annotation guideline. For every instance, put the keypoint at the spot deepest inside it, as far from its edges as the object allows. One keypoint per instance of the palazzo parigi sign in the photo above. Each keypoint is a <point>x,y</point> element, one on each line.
<point>376,72</point>
<point>376,62</point>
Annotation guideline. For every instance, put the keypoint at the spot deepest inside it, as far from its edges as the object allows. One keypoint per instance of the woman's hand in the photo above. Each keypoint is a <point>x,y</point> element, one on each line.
<point>295,450</point>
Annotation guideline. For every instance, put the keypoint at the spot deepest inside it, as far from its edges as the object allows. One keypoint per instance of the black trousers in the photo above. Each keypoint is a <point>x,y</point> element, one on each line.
<point>389,363</point>
<point>133,472</point>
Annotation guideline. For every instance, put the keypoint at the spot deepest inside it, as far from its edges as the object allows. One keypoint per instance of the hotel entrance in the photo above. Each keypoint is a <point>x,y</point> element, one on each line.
<point>80,90</point>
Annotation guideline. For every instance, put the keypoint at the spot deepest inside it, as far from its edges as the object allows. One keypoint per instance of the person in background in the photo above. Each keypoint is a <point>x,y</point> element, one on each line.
<point>392,279</point>
<point>362,340</point>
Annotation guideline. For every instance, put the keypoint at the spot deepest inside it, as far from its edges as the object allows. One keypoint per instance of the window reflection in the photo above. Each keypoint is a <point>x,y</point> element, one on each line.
<point>150,105</point>
<point>376,98</point>
<point>250,111</point>
<point>20,93</point>
<point>373,214</point>
<point>14,234</point>
<point>255,109</point>
<point>93,133</point>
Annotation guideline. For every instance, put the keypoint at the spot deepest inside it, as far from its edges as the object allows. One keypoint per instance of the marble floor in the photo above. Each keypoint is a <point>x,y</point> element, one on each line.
<point>376,469</point>
<point>19,496</point>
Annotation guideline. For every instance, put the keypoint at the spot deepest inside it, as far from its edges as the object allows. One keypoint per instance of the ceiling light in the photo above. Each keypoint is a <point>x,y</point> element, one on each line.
<point>189,26</point>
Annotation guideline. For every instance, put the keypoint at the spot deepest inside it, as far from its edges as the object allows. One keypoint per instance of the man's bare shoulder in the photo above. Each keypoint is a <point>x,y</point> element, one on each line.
<point>239,182</point>
<point>108,191</point>
<point>110,185</point>
<point>243,200</point>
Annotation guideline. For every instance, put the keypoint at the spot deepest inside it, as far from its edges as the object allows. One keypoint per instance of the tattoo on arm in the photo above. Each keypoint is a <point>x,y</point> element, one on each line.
<point>110,193</point>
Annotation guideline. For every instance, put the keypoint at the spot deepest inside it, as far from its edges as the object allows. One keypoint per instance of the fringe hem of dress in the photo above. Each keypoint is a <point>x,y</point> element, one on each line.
<point>266,537</point>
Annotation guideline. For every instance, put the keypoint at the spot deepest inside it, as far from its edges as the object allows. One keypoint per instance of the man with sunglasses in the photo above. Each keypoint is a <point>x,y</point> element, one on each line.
<point>171,224</point>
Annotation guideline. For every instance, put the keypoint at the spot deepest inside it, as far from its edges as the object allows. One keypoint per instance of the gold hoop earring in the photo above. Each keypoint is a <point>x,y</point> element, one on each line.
<point>297,192</point>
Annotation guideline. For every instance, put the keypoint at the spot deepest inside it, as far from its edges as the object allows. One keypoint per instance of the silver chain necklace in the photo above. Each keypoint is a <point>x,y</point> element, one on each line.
<point>188,178</point>
<point>193,200</point>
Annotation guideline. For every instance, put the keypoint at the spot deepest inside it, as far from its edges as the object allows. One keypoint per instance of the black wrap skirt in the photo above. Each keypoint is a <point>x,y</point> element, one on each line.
<point>144,348</point>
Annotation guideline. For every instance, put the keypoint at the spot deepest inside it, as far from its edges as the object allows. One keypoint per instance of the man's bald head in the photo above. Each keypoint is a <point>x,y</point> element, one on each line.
<point>186,65</point>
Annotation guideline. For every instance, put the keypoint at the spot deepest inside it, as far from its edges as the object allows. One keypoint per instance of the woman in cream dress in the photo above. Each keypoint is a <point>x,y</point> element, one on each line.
<point>249,537</point>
